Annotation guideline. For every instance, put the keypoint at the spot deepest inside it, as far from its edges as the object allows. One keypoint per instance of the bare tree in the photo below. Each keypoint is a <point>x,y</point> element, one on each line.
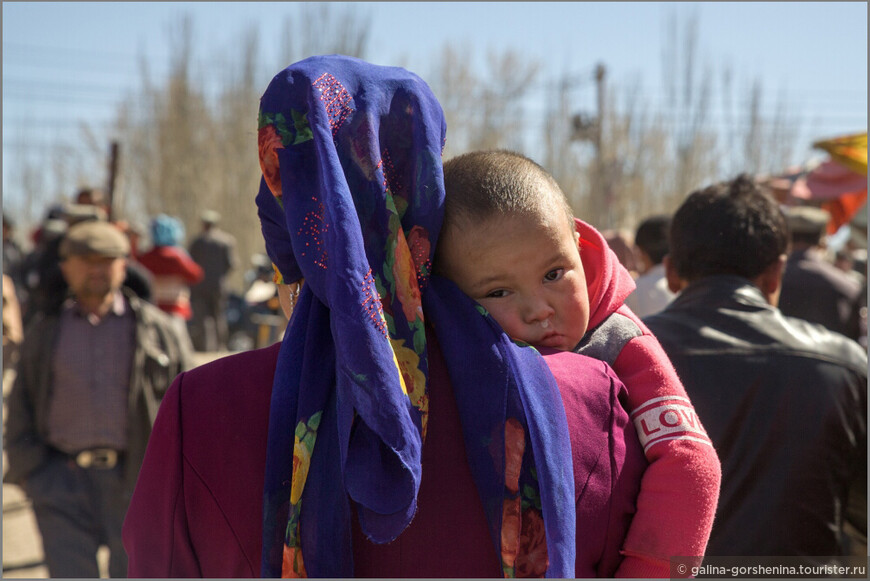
<point>320,28</point>
<point>49,174</point>
<point>767,142</point>
<point>500,110</point>
<point>648,158</point>
<point>29,179</point>
<point>567,142</point>
<point>235,157</point>
<point>189,143</point>
<point>165,137</point>
<point>636,147</point>
<point>484,109</point>
<point>688,92</point>
<point>455,83</point>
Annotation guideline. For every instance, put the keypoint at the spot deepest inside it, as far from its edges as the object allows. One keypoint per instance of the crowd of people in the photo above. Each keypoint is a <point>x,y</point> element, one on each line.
<point>94,331</point>
<point>188,282</point>
<point>494,386</point>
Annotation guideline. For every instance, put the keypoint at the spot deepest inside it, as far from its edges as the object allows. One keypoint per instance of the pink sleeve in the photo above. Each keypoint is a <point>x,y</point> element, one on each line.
<point>155,533</point>
<point>680,488</point>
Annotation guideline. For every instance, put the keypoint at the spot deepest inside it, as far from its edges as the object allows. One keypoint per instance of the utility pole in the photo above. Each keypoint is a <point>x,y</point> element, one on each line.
<point>113,174</point>
<point>602,186</point>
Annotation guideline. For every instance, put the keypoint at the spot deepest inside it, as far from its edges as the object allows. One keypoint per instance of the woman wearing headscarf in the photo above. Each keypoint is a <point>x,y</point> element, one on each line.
<point>396,430</point>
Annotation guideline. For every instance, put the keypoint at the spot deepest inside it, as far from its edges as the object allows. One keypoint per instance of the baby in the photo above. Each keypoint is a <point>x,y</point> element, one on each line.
<point>511,242</point>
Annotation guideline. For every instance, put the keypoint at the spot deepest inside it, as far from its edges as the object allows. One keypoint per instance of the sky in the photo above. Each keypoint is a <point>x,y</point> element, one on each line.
<point>69,63</point>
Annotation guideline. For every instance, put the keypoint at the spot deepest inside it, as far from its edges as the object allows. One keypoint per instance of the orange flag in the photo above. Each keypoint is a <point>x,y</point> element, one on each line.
<point>849,150</point>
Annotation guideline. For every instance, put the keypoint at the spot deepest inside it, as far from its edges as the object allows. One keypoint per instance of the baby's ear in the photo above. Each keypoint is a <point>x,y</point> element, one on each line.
<point>577,237</point>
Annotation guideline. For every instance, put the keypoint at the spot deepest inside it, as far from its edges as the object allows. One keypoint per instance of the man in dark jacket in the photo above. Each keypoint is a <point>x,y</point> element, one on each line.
<point>813,288</point>
<point>90,379</point>
<point>215,251</point>
<point>784,400</point>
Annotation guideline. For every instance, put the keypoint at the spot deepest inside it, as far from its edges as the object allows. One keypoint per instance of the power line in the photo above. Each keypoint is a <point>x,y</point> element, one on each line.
<point>97,97</point>
<point>62,92</point>
<point>60,99</point>
<point>56,85</point>
<point>40,55</point>
<point>535,114</point>
<point>54,122</point>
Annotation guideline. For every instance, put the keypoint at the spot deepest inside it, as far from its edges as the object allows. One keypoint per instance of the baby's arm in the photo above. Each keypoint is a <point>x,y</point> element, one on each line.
<point>680,488</point>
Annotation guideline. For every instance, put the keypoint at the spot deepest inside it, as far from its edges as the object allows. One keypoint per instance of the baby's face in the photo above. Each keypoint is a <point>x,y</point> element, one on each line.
<point>527,275</point>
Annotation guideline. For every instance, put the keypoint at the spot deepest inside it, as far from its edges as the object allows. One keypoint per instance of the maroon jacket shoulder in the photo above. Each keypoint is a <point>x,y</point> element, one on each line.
<point>197,507</point>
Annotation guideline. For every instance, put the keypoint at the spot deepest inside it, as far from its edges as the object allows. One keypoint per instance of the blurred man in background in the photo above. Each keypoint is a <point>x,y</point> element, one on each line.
<point>215,251</point>
<point>89,382</point>
<point>813,288</point>
<point>651,293</point>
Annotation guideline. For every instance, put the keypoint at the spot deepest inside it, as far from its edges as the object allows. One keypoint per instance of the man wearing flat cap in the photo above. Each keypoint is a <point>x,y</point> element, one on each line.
<point>813,288</point>
<point>90,380</point>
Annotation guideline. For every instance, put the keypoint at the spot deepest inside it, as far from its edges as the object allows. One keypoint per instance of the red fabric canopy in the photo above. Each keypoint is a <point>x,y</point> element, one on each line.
<point>828,181</point>
<point>838,189</point>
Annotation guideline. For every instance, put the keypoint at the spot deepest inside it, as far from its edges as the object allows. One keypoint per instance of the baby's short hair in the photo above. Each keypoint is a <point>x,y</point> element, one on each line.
<point>485,184</point>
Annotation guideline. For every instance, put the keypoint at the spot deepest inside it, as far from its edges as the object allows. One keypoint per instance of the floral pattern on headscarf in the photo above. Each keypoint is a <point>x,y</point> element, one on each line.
<point>274,133</point>
<point>351,200</point>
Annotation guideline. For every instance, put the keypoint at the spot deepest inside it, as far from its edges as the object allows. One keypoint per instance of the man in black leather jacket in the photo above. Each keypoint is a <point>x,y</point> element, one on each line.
<point>784,400</point>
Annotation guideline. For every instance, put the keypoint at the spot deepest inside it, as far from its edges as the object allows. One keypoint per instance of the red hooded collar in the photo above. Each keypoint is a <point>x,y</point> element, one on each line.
<point>607,281</point>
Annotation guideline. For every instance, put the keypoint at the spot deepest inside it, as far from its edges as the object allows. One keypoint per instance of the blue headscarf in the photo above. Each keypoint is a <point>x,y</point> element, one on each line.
<point>166,231</point>
<point>352,201</point>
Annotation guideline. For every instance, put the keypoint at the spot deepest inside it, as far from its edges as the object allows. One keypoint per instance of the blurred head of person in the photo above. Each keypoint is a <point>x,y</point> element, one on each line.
<point>8,227</point>
<point>209,219</point>
<point>807,225</point>
<point>76,213</point>
<point>166,231</point>
<point>622,245</point>
<point>88,196</point>
<point>651,240</point>
<point>731,228</point>
<point>93,258</point>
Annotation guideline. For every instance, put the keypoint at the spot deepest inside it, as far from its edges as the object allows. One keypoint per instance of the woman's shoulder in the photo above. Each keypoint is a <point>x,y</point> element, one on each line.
<point>232,382</point>
<point>244,365</point>
<point>225,405</point>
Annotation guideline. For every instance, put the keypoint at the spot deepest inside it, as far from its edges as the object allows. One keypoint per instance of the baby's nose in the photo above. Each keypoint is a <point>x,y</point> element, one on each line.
<point>538,311</point>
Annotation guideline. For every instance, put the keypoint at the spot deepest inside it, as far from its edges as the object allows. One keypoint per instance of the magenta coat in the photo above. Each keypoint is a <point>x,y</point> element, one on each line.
<point>197,507</point>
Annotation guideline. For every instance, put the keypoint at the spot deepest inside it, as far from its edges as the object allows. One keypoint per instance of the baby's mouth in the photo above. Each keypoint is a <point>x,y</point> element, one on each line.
<point>551,340</point>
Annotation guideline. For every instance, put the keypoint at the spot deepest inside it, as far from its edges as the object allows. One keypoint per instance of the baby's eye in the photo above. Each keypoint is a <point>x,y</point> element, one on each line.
<point>496,294</point>
<point>554,274</point>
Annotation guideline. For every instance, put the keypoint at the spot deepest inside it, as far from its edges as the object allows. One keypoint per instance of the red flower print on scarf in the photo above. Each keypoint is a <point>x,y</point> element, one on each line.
<point>292,566</point>
<point>269,142</point>
<point>514,447</point>
<point>532,560</point>
<point>510,531</point>
<point>407,290</point>
<point>418,241</point>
